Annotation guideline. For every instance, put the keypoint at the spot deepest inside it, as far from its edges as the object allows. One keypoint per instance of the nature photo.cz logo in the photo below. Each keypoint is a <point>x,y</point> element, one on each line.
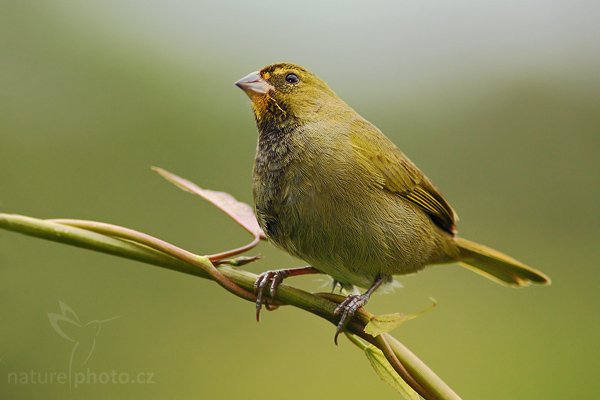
<point>82,337</point>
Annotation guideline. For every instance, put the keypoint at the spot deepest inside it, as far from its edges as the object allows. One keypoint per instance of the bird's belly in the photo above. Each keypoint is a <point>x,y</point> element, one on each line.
<point>354,237</point>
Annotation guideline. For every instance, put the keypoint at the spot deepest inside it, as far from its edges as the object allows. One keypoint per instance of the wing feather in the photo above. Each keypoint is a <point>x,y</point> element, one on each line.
<point>394,172</point>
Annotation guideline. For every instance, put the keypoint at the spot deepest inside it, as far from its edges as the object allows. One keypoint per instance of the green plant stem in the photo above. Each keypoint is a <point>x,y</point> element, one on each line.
<point>226,254</point>
<point>160,245</point>
<point>382,343</point>
<point>94,241</point>
<point>433,387</point>
<point>419,370</point>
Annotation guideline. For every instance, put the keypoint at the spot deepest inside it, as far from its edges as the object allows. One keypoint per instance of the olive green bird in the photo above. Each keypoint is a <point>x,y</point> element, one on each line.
<point>332,189</point>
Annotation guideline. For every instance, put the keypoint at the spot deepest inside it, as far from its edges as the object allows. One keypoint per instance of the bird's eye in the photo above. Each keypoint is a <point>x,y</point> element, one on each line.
<point>292,78</point>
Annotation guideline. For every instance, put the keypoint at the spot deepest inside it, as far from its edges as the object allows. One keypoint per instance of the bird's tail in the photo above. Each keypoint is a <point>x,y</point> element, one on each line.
<point>497,266</point>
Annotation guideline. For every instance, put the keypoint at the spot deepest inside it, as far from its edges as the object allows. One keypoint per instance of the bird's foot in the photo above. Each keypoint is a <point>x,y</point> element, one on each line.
<point>270,278</point>
<point>273,279</point>
<point>347,309</point>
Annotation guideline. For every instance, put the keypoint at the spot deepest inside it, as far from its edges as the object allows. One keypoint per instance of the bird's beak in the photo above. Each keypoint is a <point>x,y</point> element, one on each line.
<point>254,84</point>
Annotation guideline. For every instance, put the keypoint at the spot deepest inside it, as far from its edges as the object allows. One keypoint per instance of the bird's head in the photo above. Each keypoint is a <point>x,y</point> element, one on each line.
<point>283,92</point>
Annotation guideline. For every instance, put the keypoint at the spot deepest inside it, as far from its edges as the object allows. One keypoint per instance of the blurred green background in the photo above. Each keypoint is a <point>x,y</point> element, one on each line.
<point>498,103</point>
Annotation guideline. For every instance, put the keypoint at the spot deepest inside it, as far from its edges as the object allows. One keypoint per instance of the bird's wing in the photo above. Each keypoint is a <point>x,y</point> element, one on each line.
<point>394,172</point>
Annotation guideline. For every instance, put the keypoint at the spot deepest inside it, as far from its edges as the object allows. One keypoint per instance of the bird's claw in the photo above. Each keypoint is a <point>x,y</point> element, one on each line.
<point>347,309</point>
<point>275,278</point>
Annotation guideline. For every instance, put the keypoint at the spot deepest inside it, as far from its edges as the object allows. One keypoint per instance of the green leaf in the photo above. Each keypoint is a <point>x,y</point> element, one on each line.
<point>387,373</point>
<point>385,323</point>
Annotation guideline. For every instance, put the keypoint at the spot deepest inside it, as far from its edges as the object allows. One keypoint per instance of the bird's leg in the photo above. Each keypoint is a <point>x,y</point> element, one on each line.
<point>275,278</point>
<point>335,284</point>
<point>352,303</point>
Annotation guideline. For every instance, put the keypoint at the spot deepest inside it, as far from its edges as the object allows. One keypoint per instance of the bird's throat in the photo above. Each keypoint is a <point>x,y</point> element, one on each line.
<point>269,112</point>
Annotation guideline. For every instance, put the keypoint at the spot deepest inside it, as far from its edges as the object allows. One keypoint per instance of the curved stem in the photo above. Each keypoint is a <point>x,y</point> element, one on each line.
<point>182,261</point>
<point>230,253</point>
<point>384,346</point>
<point>420,371</point>
<point>162,246</point>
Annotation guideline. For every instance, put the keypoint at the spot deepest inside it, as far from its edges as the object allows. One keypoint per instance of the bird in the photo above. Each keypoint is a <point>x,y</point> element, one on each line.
<point>331,189</point>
